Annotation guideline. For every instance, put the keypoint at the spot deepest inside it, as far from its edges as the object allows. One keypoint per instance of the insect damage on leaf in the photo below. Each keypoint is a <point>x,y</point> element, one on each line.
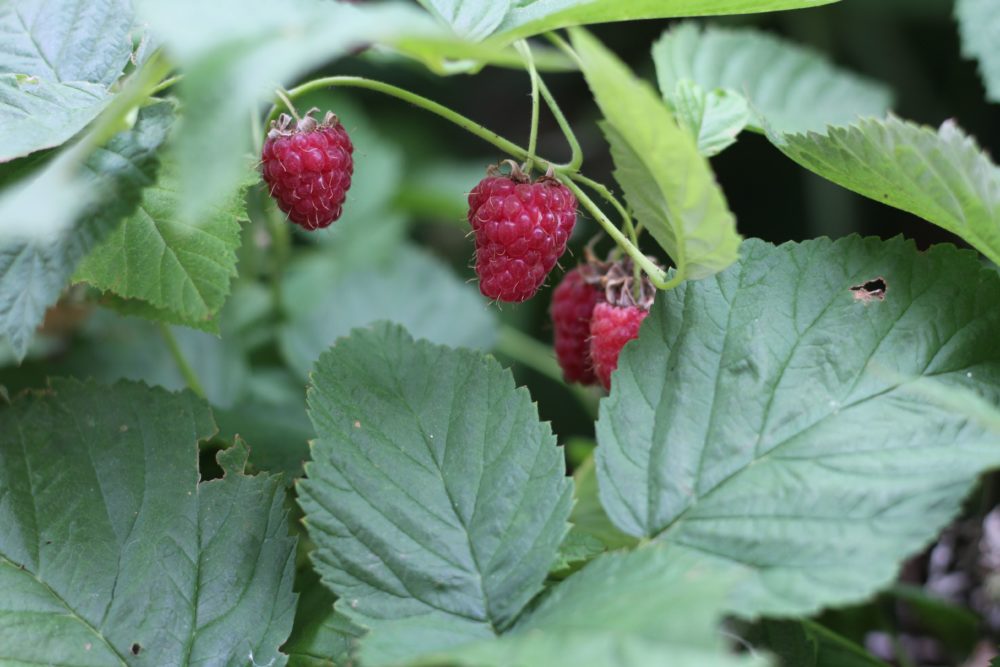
<point>871,290</point>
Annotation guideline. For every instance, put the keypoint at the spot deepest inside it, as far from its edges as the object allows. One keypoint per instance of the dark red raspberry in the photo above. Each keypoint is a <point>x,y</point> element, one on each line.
<point>573,304</point>
<point>308,166</point>
<point>610,328</point>
<point>521,232</point>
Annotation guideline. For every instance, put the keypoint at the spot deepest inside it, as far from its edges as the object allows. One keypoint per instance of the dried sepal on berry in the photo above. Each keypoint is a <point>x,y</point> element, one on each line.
<point>307,165</point>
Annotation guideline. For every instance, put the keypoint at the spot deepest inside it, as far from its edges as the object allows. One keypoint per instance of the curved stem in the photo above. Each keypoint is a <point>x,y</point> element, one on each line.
<point>605,193</point>
<point>288,104</point>
<point>190,377</point>
<point>458,119</point>
<point>655,273</point>
<point>529,63</point>
<point>576,153</point>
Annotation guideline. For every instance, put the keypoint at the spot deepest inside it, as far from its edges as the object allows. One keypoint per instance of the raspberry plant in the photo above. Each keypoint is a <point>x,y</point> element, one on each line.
<point>247,419</point>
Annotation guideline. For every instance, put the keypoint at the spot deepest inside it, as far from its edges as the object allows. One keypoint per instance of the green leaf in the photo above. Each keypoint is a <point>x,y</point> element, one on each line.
<point>588,516</point>
<point>713,118</point>
<point>778,417</point>
<point>49,222</point>
<point>808,644</point>
<point>112,553</point>
<point>325,302</point>
<point>157,257</point>
<point>235,52</point>
<point>532,17</point>
<point>472,19</point>
<point>940,176</point>
<point>657,605</point>
<point>321,637</point>
<point>57,61</point>
<point>669,185</point>
<point>436,499</point>
<point>790,87</point>
<point>979,25</point>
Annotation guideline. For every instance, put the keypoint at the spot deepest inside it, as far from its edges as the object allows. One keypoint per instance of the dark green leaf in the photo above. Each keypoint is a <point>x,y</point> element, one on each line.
<point>787,417</point>
<point>436,498</point>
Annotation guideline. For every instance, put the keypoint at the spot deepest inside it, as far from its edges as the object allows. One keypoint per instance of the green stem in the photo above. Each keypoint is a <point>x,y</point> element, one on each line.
<point>190,378</point>
<point>419,101</point>
<point>655,273</point>
<point>606,194</point>
<point>166,83</point>
<point>529,62</point>
<point>539,357</point>
<point>576,153</point>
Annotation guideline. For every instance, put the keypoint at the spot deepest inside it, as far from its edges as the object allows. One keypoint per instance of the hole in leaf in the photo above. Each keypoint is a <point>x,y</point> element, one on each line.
<point>135,649</point>
<point>871,290</point>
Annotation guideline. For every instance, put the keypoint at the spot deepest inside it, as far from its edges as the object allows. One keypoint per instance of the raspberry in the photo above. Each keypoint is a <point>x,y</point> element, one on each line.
<point>308,166</point>
<point>610,328</point>
<point>573,304</point>
<point>521,232</point>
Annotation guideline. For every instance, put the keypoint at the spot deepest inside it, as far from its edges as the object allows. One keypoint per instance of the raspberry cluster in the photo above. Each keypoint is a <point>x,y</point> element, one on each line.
<point>308,167</point>
<point>596,310</point>
<point>521,230</point>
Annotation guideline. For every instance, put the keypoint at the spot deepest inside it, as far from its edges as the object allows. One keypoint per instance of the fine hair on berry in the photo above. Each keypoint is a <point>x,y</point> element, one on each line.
<point>308,166</point>
<point>573,303</point>
<point>521,229</point>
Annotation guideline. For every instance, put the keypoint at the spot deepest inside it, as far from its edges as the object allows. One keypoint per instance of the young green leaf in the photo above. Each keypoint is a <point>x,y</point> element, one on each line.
<point>778,416</point>
<point>49,222</point>
<point>979,25</point>
<point>790,87</point>
<point>657,605</point>
<point>532,17</point>
<point>184,269</point>
<point>55,73</point>
<point>436,499</point>
<point>669,185</point>
<point>113,553</point>
<point>940,176</point>
<point>324,303</point>
<point>714,118</point>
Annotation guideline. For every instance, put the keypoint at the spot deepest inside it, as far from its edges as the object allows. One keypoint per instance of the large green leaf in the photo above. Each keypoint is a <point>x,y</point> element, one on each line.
<point>436,498</point>
<point>658,605</point>
<point>112,553</point>
<point>236,52</point>
<point>940,176</point>
<point>779,416</point>
<point>530,17</point>
<point>325,300</point>
<point>668,184</point>
<point>714,117</point>
<point>50,222</point>
<point>157,257</point>
<point>472,19</point>
<point>979,24</point>
<point>791,87</point>
<point>321,636</point>
<point>57,61</point>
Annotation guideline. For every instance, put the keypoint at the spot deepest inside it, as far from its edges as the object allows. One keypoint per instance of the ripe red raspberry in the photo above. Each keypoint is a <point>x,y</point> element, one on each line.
<point>573,304</point>
<point>610,328</point>
<point>521,232</point>
<point>308,166</point>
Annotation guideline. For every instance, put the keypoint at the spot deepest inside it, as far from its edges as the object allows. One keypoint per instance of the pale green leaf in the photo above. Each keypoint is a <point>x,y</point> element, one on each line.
<point>436,499</point>
<point>112,553</point>
<point>714,118</point>
<point>326,299</point>
<point>668,184</point>
<point>777,417</point>
<point>51,220</point>
<point>472,19</point>
<point>658,605</point>
<point>531,17</point>
<point>942,176</point>
<point>235,53</point>
<point>979,24</point>
<point>57,61</point>
<point>154,255</point>
<point>790,87</point>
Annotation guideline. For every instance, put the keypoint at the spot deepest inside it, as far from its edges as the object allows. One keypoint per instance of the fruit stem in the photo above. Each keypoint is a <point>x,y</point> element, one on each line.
<point>190,378</point>
<point>288,104</point>
<point>656,275</point>
<point>529,63</point>
<point>458,119</point>
<point>576,153</point>
<point>541,358</point>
